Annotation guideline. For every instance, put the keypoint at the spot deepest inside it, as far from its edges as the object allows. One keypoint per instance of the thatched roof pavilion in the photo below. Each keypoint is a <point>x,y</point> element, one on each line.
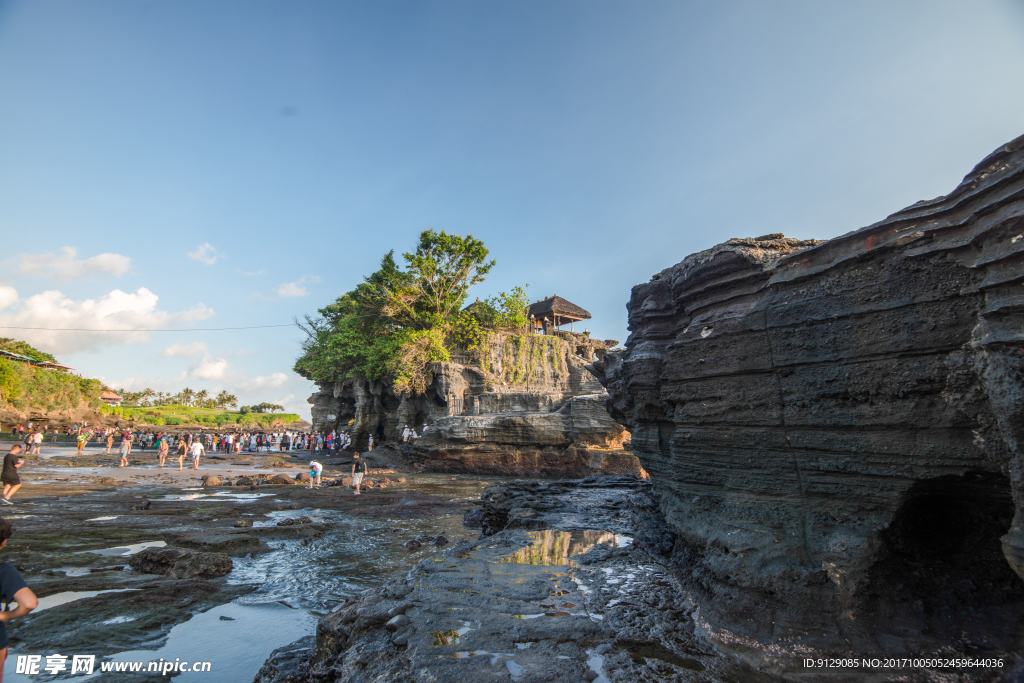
<point>556,311</point>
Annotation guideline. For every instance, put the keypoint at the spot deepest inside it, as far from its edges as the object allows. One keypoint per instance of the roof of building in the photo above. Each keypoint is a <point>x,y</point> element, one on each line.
<point>48,364</point>
<point>17,356</point>
<point>557,306</point>
<point>110,396</point>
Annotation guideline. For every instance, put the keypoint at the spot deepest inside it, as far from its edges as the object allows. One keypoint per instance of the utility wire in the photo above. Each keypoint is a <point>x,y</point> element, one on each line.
<point>183,329</point>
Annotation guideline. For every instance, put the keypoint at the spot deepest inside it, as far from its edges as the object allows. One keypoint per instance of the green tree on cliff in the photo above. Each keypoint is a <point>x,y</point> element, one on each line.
<point>397,322</point>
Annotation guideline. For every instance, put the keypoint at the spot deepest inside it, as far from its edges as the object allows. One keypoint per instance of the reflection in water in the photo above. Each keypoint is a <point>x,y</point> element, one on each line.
<point>556,547</point>
<point>449,637</point>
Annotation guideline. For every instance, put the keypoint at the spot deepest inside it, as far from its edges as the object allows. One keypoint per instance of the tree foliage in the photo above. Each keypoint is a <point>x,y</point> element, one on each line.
<point>398,322</point>
<point>24,349</point>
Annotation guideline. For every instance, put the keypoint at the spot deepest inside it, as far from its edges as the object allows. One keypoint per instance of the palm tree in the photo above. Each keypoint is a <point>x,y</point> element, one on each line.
<point>231,401</point>
<point>201,397</point>
<point>186,396</point>
<point>221,400</point>
<point>148,394</point>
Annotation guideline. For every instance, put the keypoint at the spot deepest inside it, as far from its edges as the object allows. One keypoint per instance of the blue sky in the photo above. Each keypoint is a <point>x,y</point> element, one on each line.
<point>287,145</point>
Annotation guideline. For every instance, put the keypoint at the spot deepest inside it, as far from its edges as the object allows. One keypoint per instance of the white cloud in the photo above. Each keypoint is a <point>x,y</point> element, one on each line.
<point>186,350</point>
<point>274,381</point>
<point>209,368</point>
<point>123,312</point>
<point>8,295</point>
<point>291,289</point>
<point>205,253</point>
<point>64,266</point>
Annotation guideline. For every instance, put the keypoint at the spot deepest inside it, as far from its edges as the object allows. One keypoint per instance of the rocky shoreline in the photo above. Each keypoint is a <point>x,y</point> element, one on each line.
<point>568,581</point>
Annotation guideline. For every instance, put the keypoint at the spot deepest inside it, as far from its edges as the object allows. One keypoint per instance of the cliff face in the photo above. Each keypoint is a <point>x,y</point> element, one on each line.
<point>834,428</point>
<point>519,405</point>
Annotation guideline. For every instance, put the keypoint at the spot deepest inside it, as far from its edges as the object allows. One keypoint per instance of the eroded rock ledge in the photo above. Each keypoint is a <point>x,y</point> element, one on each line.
<point>834,428</point>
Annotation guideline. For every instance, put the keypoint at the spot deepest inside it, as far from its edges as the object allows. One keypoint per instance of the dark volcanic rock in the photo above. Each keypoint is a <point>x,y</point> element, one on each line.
<point>834,428</point>
<point>228,542</point>
<point>181,564</point>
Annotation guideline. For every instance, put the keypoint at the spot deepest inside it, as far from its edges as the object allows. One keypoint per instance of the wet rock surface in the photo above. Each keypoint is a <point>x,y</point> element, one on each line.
<point>78,532</point>
<point>834,428</point>
<point>562,595</point>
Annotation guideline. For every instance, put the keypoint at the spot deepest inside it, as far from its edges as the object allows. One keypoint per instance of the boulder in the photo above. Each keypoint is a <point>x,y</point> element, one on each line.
<point>242,523</point>
<point>300,478</point>
<point>179,563</point>
<point>211,480</point>
<point>281,479</point>
<point>245,481</point>
<point>832,426</point>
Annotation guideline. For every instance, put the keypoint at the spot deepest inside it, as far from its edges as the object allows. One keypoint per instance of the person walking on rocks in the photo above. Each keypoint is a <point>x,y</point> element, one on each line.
<point>9,475</point>
<point>81,439</point>
<point>197,450</point>
<point>124,449</point>
<point>162,448</point>
<point>12,589</point>
<point>358,471</point>
<point>110,441</point>
<point>316,470</point>
<point>182,449</point>
<point>37,443</point>
<point>369,442</point>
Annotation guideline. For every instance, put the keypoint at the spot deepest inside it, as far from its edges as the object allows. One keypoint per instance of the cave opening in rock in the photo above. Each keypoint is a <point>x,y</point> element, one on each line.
<point>942,575</point>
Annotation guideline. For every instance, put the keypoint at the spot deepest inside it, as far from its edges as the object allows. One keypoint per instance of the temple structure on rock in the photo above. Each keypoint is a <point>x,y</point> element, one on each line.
<point>549,314</point>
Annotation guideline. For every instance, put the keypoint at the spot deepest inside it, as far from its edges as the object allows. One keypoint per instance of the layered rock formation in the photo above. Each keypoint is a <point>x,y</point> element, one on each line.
<point>834,428</point>
<point>522,404</point>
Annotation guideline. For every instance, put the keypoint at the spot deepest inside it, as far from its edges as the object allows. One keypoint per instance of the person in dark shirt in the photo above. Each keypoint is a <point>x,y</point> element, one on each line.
<point>9,475</point>
<point>12,589</point>
<point>358,471</point>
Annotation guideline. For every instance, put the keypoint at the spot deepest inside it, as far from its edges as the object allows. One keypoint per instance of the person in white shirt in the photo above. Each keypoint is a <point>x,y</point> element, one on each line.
<point>196,450</point>
<point>315,472</point>
<point>369,442</point>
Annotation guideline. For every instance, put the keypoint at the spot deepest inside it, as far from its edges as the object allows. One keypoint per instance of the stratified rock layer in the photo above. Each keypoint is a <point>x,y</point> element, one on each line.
<point>833,428</point>
<point>576,439</point>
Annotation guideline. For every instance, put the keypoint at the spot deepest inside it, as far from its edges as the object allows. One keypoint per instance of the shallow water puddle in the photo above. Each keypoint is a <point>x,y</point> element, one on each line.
<point>58,599</point>
<point>551,547</point>
<point>223,495</point>
<point>126,550</point>
<point>596,663</point>
<point>228,644</point>
<point>102,519</point>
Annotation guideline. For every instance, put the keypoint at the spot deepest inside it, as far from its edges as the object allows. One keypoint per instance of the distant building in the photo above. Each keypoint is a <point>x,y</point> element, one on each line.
<point>66,369</point>
<point>110,398</point>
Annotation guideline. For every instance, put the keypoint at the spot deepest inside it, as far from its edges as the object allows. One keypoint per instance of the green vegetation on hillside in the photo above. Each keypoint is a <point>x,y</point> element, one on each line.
<point>190,415</point>
<point>397,323</point>
<point>25,386</point>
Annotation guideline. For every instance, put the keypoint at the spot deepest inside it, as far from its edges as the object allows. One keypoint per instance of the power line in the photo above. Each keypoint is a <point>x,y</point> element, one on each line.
<point>183,329</point>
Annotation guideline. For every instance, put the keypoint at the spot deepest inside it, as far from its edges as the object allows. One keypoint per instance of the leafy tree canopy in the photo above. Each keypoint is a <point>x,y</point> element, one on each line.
<point>398,322</point>
<point>24,349</point>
